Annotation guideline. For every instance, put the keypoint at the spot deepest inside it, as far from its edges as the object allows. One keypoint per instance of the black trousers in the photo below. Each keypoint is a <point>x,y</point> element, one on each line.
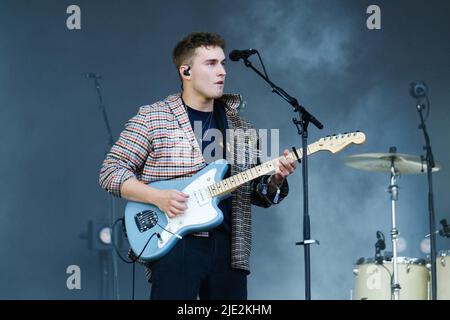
<point>198,267</point>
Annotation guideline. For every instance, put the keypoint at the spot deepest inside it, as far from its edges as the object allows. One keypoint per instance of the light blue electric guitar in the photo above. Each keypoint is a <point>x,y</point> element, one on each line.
<point>152,233</point>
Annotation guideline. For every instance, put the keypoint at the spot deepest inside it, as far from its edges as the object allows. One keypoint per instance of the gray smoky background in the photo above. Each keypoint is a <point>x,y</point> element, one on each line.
<point>53,137</point>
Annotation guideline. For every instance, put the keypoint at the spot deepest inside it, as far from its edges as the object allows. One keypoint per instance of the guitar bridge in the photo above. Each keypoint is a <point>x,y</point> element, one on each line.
<point>146,220</point>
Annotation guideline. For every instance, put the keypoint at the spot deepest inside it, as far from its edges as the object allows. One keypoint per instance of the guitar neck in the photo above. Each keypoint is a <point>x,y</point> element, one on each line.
<point>228,185</point>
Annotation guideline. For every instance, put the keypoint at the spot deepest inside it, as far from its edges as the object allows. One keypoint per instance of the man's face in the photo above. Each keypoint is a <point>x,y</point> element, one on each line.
<point>208,72</point>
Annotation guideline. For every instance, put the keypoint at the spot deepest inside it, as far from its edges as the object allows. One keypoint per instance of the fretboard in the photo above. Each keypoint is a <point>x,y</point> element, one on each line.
<point>228,185</point>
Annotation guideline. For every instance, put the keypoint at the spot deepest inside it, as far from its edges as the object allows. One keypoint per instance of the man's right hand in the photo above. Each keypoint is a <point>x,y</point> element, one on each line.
<point>172,202</point>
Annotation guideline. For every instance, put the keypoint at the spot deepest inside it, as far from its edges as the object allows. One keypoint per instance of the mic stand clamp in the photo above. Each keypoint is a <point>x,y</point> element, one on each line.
<point>307,242</point>
<point>378,256</point>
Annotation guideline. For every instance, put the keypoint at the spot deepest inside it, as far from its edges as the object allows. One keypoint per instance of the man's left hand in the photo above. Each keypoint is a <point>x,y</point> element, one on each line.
<point>285,168</point>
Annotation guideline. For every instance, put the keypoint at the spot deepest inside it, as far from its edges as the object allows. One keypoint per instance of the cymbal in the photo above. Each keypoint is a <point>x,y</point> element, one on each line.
<point>381,162</point>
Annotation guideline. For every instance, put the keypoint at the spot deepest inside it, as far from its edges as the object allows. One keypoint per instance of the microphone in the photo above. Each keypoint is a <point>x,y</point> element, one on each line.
<point>92,75</point>
<point>379,245</point>
<point>418,89</point>
<point>445,231</point>
<point>235,55</point>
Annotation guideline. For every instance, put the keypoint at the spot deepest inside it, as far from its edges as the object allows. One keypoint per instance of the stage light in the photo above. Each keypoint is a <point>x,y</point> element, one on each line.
<point>402,244</point>
<point>105,235</point>
<point>425,246</point>
<point>99,235</point>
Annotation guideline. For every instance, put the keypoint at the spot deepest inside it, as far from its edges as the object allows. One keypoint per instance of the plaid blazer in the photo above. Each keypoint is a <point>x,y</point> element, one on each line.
<point>159,143</point>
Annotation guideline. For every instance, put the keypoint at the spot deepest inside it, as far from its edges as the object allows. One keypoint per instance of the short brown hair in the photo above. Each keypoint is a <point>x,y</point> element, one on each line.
<point>185,49</point>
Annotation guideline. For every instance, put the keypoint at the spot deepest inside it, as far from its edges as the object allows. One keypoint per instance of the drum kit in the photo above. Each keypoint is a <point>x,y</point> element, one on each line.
<point>397,278</point>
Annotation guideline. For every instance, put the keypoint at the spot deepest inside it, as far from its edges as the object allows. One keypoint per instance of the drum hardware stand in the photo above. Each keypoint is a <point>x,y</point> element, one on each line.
<point>393,190</point>
<point>304,118</point>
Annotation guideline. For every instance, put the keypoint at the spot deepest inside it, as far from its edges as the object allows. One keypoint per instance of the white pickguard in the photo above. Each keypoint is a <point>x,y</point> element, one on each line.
<point>199,210</point>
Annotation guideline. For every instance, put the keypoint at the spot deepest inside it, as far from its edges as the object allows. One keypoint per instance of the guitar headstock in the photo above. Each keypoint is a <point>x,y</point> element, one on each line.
<point>336,143</point>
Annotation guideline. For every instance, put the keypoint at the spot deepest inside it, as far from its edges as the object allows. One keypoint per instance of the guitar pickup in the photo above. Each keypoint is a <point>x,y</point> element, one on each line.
<point>146,220</point>
<point>201,196</point>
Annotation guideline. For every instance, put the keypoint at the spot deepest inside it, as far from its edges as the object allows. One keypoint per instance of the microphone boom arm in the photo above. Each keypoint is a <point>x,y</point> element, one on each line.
<point>306,116</point>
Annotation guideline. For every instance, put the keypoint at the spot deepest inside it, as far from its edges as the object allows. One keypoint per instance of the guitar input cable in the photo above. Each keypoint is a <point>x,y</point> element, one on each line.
<point>135,259</point>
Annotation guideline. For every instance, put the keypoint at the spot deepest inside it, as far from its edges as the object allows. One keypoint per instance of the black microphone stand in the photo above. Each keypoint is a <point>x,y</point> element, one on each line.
<point>430,165</point>
<point>102,107</point>
<point>304,118</point>
<point>112,204</point>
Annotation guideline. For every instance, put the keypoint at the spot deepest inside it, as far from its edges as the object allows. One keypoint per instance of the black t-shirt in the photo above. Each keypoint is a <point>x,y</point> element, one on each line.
<point>207,121</point>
